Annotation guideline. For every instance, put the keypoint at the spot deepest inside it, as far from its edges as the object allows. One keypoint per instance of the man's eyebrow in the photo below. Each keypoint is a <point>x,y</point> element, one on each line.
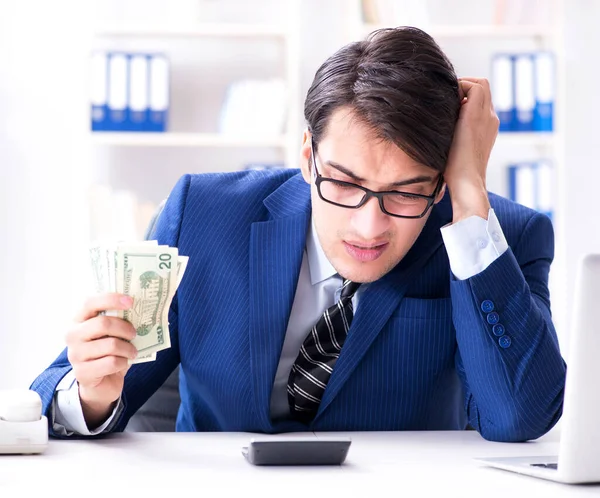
<point>410,181</point>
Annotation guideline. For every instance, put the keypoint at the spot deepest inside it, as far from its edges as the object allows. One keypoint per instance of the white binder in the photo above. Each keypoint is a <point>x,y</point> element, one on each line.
<point>544,91</point>
<point>138,92</point>
<point>503,91</point>
<point>544,187</point>
<point>117,91</point>
<point>99,91</point>
<point>524,92</point>
<point>159,92</point>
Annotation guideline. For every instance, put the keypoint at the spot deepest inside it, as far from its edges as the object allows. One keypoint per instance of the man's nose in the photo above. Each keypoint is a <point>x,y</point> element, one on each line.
<point>369,221</point>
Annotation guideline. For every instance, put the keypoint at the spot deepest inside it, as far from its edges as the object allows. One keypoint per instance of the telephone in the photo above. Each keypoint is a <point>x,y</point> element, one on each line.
<point>23,428</point>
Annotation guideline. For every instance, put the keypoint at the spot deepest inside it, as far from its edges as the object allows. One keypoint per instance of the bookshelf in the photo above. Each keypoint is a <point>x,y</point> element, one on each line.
<point>178,139</point>
<point>133,171</point>
<point>480,31</point>
<point>535,139</point>
<point>285,33</point>
<point>199,30</point>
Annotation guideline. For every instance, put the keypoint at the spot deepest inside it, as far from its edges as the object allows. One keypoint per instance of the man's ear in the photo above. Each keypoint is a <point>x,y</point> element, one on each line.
<point>441,193</point>
<point>305,159</point>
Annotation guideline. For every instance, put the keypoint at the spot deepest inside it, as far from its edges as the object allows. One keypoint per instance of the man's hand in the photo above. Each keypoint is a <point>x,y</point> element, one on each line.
<point>474,137</point>
<point>98,348</point>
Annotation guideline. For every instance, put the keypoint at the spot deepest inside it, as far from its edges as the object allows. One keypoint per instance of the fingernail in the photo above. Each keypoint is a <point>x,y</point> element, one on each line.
<point>126,301</point>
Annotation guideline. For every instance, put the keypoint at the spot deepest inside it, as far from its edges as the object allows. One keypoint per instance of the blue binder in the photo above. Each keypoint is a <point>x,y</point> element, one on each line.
<point>118,68</point>
<point>543,119</point>
<point>99,91</point>
<point>530,184</point>
<point>524,92</point>
<point>138,118</point>
<point>159,91</point>
<point>544,187</point>
<point>262,166</point>
<point>522,184</point>
<point>503,91</point>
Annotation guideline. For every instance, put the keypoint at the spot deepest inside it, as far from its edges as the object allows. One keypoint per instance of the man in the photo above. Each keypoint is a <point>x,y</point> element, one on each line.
<point>450,326</point>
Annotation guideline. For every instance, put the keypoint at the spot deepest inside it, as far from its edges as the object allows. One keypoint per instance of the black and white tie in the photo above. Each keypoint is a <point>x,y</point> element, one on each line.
<point>319,352</point>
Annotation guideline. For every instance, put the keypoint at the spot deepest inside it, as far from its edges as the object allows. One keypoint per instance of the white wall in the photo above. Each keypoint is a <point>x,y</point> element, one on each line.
<point>44,160</point>
<point>582,144</point>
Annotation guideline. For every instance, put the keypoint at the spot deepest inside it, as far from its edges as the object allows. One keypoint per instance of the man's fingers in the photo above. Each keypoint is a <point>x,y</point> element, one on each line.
<point>101,326</point>
<point>108,346</point>
<point>91,372</point>
<point>473,92</point>
<point>476,89</point>
<point>103,302</point>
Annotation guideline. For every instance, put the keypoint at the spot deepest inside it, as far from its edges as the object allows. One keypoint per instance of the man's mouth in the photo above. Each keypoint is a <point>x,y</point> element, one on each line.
<point>363,252</point>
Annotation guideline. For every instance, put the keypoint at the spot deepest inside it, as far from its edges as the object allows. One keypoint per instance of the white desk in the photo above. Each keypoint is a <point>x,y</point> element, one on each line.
<point>399,464</point>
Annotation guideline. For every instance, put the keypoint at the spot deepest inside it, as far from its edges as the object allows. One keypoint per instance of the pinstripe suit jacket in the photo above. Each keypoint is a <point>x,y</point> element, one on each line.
<point>420,354</point>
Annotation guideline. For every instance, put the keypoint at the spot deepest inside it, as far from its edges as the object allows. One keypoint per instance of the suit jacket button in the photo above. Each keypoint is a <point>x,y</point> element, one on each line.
<point>498,329</point>
<point>487,306</point>
<point>493,318</point>
<point>504,341</point>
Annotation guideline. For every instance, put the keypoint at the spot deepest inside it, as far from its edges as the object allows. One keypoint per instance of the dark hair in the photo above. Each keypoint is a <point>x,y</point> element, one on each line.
<point>400,84</point>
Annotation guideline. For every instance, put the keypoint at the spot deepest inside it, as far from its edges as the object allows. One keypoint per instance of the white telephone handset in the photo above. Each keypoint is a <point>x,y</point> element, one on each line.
<point>23,428</point>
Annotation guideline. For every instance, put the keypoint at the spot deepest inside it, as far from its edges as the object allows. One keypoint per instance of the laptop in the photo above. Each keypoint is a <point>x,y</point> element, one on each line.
<point>578,459</point>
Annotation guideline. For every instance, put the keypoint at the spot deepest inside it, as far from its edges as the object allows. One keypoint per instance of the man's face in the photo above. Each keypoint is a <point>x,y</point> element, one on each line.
<point>363,244</point>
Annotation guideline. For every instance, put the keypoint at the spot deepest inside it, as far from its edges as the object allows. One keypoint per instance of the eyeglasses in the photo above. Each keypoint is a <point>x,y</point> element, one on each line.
<point>392,203</point>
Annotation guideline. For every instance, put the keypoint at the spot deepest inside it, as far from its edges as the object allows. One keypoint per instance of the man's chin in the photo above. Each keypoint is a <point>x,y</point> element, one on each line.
<point>363,275</point>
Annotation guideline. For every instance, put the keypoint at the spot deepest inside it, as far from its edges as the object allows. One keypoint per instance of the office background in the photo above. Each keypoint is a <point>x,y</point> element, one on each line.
<point>63,185</point>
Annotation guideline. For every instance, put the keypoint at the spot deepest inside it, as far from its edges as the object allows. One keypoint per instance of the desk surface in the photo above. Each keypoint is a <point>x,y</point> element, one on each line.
<point>400,464</point>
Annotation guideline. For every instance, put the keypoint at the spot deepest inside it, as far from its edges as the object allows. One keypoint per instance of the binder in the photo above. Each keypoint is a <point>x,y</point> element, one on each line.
<point>544,187</point>
<point>117,92</point>
<point>544,91</point>
<point>503,91</point>
<point>158,93</point>
<point>531,185</point>
<point>524,92</point>
<point>139,109</point>
<point>263,166</point>
<point>522,184</point>
<point>99,91</point>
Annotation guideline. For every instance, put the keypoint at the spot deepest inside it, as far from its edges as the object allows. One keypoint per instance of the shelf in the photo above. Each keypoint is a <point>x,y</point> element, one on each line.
<point>173,139</point>
<point>537,139</point>
<point>225,30</point>
<point>481,31</point>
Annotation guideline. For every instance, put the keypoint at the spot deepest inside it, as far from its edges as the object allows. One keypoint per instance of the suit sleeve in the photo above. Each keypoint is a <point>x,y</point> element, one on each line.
<point>143,379</point>
<point>508,355</point>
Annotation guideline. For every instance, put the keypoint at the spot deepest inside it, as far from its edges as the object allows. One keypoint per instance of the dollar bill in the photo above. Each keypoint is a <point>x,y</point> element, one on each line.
<point>182,262</point>
<point>144,359</point>
<point>150,274</point>
<point>99,269</point>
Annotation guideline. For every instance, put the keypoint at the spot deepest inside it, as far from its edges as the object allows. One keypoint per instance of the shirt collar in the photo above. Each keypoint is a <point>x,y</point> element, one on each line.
<point>319,266</point>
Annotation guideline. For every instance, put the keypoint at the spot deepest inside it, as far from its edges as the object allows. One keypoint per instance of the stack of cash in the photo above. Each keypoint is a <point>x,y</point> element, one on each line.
<point>150,274</point>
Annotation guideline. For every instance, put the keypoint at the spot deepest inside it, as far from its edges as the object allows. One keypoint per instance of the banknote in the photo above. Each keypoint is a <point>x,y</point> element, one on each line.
<point>150,274</point>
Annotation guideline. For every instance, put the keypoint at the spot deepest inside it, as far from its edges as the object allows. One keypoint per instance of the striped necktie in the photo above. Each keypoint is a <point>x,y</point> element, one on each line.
<point>319,352</point>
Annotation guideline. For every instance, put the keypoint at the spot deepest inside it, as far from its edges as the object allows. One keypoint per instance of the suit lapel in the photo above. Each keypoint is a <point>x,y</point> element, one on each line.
<point>379,301</point>
<point>276,249</point>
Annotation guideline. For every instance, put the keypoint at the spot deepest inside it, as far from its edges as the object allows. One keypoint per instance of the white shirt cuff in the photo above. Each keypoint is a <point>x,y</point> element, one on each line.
<point>67,414</point>
<point>473,244</point>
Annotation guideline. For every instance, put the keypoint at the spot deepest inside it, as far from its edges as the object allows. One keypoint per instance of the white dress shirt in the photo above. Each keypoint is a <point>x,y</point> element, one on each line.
<point>472,245</point>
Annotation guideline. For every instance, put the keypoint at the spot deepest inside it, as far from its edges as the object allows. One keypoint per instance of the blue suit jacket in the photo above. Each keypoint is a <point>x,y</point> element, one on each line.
<point>420,354</point>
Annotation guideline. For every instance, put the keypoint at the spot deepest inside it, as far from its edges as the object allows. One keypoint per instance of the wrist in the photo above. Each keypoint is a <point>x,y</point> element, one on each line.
<point>471,199</point>
<point>95,411</point>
